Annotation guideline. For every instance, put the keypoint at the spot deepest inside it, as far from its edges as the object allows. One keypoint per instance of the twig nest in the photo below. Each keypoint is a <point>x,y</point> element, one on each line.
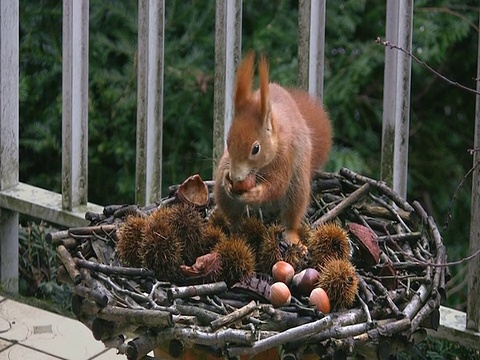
<point>280,294</point>
<point>367,241</point>
<point>328,241</point>
<point>304,282</point>
<point>282,271</point>
<point>193,191</point>
<point>339,280</point>
<point>244,185</point>
<point>319,299</point>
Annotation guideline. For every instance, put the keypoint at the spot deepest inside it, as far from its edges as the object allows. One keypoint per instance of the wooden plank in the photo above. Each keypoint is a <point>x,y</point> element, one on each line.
<point>75,103</point>
<point>473,298</point>
<point>9,49</point>
<point>317,48</point>
<point>396,96</point>
<point>9,143</point>
<point>452,328</point>
<point>151,27</point>
<point>228,35</point>
<point>156,38</point>
<point>45,205</point>
<point>304,7</point>
<point>311,46</point>
<point>141,153</point>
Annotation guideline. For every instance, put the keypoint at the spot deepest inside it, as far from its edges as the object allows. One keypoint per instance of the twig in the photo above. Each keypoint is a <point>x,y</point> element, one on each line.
<point>365,308</point>
<point>379,185</point>
<point>344,204</point>
<point>392,211</point>
<point>90,230</point>
<point>69,264</point>
<point>289,335</point>
<point>138,317</point>
<point>204,316</point>
<point>234,316</point>
<point>455,193</point>
<point>193,290</point>
<point>113,270</point>
<point>91,294</point>
<point>424,64</point>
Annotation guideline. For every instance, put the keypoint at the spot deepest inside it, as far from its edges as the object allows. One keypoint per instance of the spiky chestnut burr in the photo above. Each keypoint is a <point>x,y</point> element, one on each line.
<point>129,236</point>
<point>218,219</point>
<point>339,280</point>
<point>212,235</point>
<point>253,230</point>
<point>187,226</point>
<point>237,259</point>
<point>328,241</point>
<point>268,251</point>
<point>161,252</point>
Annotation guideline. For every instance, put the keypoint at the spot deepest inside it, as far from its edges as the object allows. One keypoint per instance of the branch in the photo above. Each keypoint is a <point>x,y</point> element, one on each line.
<point>389,45</point>
<point>344,204</point>
<point>457,190</point>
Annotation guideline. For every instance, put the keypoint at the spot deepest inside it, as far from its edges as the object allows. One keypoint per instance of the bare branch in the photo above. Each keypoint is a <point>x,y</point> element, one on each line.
<point>389,45</point>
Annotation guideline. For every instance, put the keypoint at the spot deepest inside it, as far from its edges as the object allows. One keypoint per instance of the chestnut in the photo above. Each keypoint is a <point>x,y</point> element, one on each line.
<point>304,282</point>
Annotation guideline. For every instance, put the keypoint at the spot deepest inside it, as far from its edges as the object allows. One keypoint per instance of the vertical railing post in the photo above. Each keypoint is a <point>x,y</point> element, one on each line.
<point>75,103</point>
<point>473,297</point>
<point>311,46</point>
<point>228,38</point>
<point>9,121</point>
<point>151,30</point>
<point>396,96</point>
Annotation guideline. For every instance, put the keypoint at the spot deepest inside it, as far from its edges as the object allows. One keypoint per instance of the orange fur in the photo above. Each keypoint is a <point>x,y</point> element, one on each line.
<point>282,136</point>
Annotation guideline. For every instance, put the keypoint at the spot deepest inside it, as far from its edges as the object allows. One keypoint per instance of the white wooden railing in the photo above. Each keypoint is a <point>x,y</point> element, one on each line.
<point>68,208</point>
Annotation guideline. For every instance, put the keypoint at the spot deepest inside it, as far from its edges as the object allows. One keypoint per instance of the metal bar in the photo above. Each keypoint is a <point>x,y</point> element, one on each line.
<point>75,103</point>
<point>396,98</point>
<point>9,142</point>
<point>473,297</point>
<point>228,35</point>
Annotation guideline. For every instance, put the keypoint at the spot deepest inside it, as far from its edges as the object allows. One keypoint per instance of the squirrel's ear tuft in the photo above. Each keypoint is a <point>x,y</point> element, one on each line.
<point>243,86</point>
<point>264,91</point>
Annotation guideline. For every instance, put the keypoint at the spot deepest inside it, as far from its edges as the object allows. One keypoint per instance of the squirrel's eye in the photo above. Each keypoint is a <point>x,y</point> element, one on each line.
<point>255,148</point>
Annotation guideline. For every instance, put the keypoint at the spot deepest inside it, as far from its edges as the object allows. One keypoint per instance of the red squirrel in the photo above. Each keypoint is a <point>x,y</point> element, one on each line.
<point>277,139</point>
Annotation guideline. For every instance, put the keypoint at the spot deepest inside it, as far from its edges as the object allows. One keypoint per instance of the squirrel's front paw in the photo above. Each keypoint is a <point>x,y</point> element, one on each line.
<point>253,196</point>
<point>227,183</point>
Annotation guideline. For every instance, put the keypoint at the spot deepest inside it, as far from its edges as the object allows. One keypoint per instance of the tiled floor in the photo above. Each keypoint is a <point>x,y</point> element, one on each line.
<point>30,333</point>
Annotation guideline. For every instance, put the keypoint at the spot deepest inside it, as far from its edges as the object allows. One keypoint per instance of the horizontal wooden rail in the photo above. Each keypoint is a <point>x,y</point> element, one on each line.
<point>45,205</point>
<point>453,328</point>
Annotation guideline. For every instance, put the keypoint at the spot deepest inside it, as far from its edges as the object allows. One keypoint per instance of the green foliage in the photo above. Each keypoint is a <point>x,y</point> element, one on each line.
<point>38,267</point>
<point>434,349</point>
<point>445,36</point>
